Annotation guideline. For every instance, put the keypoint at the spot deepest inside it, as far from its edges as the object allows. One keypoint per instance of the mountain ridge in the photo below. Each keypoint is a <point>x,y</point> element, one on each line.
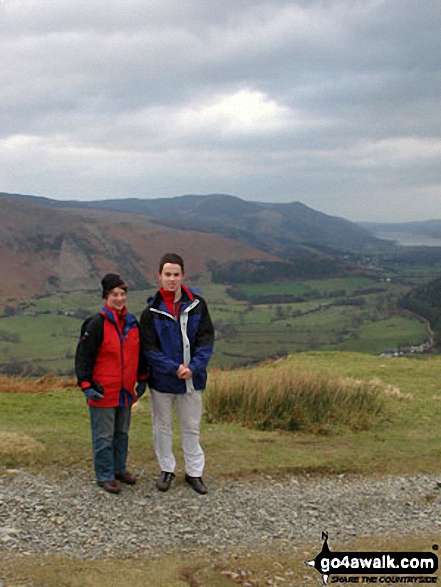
<point>269,226</point>
<point>44,249</point>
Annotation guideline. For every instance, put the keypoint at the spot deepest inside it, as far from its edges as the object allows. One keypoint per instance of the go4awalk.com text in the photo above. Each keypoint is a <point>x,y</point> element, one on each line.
<point>385,580</point>
<point>388,567</point>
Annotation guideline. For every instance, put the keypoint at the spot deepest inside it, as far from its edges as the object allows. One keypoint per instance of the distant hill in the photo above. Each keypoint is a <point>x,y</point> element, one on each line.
<point>48,245</point>
<point>275,228</point>
<point>45,249</point>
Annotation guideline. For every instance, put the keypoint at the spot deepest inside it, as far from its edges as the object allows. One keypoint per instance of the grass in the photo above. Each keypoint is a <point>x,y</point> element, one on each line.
<point>300,288</point>
<point>278,397</point>
<point>276,567</point>
<point>335,327</point>
<point>389,333</point>
<point>402,438</point>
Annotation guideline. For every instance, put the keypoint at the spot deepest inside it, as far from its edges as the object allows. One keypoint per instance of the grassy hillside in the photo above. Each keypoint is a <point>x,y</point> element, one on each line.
<point>46,425</point>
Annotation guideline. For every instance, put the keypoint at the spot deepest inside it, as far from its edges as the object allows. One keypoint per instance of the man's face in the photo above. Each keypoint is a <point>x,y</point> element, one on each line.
<point>171,277</point>
<point>116,299</point>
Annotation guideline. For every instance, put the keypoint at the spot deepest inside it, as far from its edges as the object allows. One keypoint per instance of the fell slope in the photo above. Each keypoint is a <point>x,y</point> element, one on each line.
<point>44,250</point>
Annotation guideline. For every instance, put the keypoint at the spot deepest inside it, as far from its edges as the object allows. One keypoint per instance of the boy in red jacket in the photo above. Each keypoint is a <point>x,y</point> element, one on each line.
<point>108,363</point>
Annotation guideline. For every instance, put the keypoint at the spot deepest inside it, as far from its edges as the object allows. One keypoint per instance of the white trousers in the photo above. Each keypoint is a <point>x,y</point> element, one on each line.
<point>189,409</point>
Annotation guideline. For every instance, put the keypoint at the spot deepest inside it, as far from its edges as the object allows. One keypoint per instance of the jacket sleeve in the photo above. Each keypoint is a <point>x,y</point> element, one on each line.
<point>204,341</point>
<point>152,347</point>
<point>143,367</point>
<point>87,349</point>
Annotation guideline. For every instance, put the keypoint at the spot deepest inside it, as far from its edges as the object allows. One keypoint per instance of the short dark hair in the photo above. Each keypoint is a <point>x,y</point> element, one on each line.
<point>171,258</point>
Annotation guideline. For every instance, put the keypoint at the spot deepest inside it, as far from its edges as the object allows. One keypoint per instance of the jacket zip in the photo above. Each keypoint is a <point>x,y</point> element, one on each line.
<point>121,338</point>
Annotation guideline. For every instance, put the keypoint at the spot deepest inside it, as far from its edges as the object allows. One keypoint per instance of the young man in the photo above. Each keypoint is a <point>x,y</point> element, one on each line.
<point>177,337</point>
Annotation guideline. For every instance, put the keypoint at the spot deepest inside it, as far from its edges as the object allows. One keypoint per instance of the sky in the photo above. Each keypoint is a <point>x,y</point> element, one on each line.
<point>333,103</point>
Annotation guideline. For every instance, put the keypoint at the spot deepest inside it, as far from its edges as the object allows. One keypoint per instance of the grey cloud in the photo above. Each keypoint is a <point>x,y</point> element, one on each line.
<point>122,96</point>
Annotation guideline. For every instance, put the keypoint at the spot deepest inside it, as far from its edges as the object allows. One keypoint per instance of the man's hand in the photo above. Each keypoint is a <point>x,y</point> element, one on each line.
<point>184,372</point>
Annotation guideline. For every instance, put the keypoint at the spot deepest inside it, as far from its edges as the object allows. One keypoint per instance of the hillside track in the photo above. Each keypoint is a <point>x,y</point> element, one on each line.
<point>70,516</point>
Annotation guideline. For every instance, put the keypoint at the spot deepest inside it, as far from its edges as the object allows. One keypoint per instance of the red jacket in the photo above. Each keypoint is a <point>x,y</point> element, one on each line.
<point>110,356</point>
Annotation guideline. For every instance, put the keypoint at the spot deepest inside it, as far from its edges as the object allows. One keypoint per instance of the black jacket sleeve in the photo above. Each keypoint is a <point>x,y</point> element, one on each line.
<point>205,334</point>
<point>91,338</point>
<point>204,340</point>
<point>143,366</point>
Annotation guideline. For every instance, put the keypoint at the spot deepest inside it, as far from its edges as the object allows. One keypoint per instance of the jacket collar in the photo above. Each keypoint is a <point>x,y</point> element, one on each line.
<point>168,297</point>
<point>113,315</point>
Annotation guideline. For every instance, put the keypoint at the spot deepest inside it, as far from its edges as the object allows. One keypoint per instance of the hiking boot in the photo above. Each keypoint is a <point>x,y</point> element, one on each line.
<point>109,486</point>
<point>164,481</point>
<point>197,484</point>
<point>126,478</point>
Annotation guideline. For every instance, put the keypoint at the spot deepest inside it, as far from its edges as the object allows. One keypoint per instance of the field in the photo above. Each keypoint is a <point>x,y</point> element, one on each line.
<point>353,313</point>
<point>45,430</point>
<point>323,286</point>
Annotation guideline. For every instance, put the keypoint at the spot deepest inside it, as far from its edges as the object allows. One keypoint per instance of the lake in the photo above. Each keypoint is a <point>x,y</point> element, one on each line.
<point>406,239</point>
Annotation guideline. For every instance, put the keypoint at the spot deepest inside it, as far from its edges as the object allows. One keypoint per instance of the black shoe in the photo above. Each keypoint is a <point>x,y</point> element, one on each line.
<point>164,481</point>
<point>197,484</point>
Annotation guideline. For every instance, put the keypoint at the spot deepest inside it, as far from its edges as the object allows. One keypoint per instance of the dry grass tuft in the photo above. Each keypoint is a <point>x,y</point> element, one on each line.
<point>16,443</point>
<point>279,397</point>
<point>45,384</point>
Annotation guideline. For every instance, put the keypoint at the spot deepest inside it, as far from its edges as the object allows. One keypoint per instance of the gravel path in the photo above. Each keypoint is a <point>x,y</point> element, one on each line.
<point>73,517</point>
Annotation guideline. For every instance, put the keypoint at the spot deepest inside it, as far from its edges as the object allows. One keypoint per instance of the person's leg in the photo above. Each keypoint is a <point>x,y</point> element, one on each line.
<point>162,417</point>
<point>103,424</point>
<point>121,438</point>
<point>189,407</point>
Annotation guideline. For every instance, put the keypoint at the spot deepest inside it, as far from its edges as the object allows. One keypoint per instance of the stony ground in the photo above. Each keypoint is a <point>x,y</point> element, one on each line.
<point>71,516</point>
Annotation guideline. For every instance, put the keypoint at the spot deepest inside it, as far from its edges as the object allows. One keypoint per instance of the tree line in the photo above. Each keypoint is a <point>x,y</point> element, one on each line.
<point>425,300</point>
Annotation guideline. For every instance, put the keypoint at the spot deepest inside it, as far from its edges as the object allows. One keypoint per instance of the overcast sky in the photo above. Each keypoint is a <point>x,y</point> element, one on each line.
<point>334,103</point>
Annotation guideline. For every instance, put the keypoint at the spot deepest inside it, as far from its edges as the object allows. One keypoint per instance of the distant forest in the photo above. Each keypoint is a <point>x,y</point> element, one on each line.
<point>256,271</point>
<point>425,300</point>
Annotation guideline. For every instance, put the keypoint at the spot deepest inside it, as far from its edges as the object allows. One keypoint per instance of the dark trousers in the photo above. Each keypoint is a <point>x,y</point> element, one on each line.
<point>110,440</point>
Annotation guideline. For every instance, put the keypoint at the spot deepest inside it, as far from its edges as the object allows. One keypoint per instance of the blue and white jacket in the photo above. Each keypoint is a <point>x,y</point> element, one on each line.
<point>173,336</point>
